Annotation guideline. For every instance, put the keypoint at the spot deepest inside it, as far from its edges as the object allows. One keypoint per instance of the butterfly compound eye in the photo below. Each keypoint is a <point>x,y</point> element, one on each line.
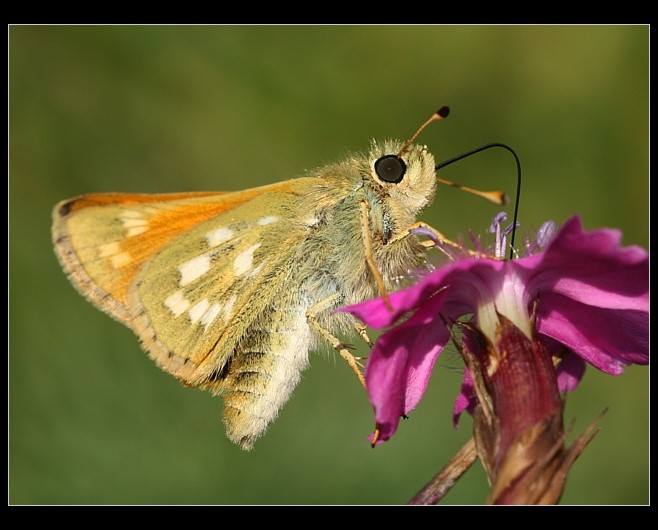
<point>390,168</point>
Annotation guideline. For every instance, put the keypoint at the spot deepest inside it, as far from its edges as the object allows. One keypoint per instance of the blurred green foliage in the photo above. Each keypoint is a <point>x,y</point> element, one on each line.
<point>178,108</point>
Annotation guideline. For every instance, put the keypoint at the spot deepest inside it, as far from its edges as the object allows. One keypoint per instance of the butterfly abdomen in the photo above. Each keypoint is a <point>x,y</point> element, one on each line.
<point>262,374</point>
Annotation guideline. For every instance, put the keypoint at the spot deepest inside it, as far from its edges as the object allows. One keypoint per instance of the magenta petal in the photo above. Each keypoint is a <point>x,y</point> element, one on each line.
<point>599,244</point>
<point>591,267</point>
<point>401,363</point>
<point>377,315</point>
<point>395,383</point>
<point>570,369</point>
<point>569,373</point>
<point>466,399</point>
<point>462,277</point>
<point>606,338</point>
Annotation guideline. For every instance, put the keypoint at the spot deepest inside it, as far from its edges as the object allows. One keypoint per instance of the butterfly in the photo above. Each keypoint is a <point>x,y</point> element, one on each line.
<point>230,291</point>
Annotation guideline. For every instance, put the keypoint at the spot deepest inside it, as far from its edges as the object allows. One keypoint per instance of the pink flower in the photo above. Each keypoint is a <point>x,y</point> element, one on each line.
<point>584,298</point>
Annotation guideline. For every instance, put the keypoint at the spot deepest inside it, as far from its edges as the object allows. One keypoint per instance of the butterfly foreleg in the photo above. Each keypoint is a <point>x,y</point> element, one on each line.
<point>437,239</point>
<point>361,330</point>
<point>367,244</point>
<point>312,318</point>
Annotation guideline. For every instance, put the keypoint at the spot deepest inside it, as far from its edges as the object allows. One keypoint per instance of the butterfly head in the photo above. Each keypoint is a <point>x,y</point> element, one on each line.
<point>406,181</point>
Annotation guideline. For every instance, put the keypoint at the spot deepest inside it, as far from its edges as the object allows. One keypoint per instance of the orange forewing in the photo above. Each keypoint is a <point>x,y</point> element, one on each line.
<point>163,225</point>
<point>124,199</point>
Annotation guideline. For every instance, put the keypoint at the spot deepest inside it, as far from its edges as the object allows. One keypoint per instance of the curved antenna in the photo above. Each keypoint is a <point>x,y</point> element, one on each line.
<point>440,114</point>
<point>518,180</point>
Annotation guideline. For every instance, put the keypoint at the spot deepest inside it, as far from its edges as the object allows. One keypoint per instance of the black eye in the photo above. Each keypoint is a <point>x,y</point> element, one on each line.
<point>390,168</point>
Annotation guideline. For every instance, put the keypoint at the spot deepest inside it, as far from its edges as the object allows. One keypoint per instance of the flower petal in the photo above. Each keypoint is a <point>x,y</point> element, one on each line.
<point>605,338</point>
<point>569,373</point>
<point>463,278</point>
<point>401,363</point>
<point>376,314</point>
<point>466,399</point>
<point>590,267</point>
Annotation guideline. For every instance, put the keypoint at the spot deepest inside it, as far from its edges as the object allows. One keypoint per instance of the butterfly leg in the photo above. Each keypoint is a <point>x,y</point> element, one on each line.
<point>367,243</point>
<point>311,317</point>
<point>437,236</point>
<point>361,330</point>
<point>419,224</point>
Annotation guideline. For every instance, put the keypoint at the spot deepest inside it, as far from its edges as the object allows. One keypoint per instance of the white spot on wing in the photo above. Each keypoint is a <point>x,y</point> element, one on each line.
<point>210,315</point>
<point>193,269</point>
<point>177,303</point>
<point>136,230</point>
<point>131,214</point>
<point>134,222</point>
<point>267,220</point>
<point>245,260</point>
<point>218,236</point>
<point>228,308</point>
<point>257,270</point>
<point>120,260</point>
<point>198,310</point>
<point>109,249</point>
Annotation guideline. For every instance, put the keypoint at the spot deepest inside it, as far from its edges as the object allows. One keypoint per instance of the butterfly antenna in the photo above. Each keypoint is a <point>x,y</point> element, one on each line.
<point>440,114</point>
<point>494,196</point>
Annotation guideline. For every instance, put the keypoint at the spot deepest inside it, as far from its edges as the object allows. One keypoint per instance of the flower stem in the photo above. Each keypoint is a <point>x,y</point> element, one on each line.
<point>435,490</point>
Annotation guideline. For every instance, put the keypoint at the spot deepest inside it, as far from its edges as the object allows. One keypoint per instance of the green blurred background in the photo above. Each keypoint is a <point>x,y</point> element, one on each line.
<point>160,108</point>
